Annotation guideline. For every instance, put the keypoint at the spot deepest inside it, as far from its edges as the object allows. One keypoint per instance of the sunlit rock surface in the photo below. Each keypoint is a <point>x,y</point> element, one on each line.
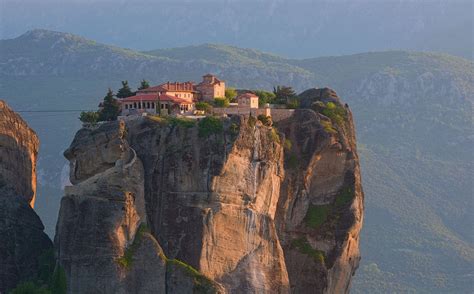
<point>248,209</point>
<point>22,240</point>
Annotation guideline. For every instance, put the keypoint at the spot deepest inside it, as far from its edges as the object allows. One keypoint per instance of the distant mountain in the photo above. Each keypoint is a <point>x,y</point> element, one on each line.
<point>413,114</point>
<point>295,28</point>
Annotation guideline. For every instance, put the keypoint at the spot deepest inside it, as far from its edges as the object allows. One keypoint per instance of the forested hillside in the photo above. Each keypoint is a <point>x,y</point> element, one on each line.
<point>413,114</point>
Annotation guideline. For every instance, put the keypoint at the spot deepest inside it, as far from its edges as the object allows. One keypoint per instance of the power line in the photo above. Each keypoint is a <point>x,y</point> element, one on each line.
<point>51,110</point>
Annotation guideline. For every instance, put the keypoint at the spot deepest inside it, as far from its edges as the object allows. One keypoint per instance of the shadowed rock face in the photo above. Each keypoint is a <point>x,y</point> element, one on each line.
<point>250,210</point>
<point>102,237</point>
<point>211,201</point>
<point>22,239</point>
<point>320,209</point>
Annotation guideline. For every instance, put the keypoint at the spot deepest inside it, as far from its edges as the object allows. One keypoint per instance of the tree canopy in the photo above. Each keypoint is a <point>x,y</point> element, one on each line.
<point>144,85</point>
<point>265,97</point>
<point>284,94</point>
<point>221,102</point>
<point>89,117</point>
<point>125,91</point>
<point>230,94</point>
<point>111,107</point>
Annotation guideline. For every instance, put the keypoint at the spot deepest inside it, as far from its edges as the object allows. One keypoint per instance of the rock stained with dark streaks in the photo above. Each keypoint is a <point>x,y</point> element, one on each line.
<point>22,239</point>
<point>241,208</point>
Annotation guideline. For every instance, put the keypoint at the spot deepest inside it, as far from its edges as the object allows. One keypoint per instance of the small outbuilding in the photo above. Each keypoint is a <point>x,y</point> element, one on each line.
<point>247,100</point>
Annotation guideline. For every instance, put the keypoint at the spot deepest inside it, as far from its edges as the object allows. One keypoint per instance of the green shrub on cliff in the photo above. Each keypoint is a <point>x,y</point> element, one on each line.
<point>181,121</point>
<point>303,246</point>
<point>204,106</point>
<point>210,125</point>
<point>252,121</point>
<point>316,215</point>
<point>30,288</point>
<point>221,102</point>
<point>345,196</point>
<point>336,113</point>
<point>266,120</point>
<point>127,258</point>
<point>202,284</point>
<point>91,117</point>
<point>274,136</point>
<point>328,127</point>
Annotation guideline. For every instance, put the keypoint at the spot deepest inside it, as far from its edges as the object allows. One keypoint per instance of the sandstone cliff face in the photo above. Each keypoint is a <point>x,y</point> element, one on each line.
<point>253,208</point>
<point>211,201</point>
<point>22,239</point>
<point>102,239</point>
<point>320,211</point>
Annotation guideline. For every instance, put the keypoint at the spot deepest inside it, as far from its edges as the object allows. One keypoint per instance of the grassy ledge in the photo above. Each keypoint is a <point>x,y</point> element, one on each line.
<point>302,245</point>
<point>126,259</point>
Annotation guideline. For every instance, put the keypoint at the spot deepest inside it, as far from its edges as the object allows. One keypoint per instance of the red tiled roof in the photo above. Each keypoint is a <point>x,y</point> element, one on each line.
<point>168,86</point>
<point>152,89</point>
<point>247,95</point>
<point>155,97</point>
<point>174,99</point>
<point>142,97</point>
<point>176,86</point>
<point>215,81</point>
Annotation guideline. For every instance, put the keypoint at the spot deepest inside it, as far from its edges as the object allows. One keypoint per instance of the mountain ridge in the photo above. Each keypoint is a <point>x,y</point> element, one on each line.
<point>182,54</point>
<point>413,113</point>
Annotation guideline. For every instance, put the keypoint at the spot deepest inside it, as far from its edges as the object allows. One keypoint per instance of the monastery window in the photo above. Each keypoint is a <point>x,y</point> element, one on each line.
<point>148,105</point>
<point>135,105</point>
<point>153,105</point>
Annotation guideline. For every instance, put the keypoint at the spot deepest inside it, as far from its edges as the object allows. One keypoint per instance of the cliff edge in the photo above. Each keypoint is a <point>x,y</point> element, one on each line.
<point>232,205</point>
<point>22,240</point>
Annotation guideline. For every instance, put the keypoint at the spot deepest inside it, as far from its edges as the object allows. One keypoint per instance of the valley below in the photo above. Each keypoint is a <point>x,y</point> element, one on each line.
<point>412,113</point>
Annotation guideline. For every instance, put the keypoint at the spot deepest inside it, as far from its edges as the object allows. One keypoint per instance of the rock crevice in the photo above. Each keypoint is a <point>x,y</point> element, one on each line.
<point>243,208</point>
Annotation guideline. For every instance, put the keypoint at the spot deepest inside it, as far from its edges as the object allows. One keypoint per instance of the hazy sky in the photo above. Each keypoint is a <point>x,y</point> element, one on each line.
<point>290,28</point>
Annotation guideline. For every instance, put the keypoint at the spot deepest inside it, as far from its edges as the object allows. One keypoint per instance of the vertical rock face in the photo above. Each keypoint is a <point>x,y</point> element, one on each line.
<point>320,211</point>
<point>19,149</point>
<point>102,238</point>
<point>248,208</point>
<point>22,240</point>
<point>211,201</point>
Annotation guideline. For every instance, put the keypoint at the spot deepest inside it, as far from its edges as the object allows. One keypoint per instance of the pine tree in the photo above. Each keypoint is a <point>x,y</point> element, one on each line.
<point>111,107</point>
<point>144,85</point>
<point>58,281</point>
<point>284,94</point>
<point>125,91</point>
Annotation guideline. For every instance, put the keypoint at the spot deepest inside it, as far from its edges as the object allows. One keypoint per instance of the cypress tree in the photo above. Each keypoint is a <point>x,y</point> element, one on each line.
<point>284,94</point>
<point>125,91</point>
<point>111,107</point>
<point>144,85</point>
